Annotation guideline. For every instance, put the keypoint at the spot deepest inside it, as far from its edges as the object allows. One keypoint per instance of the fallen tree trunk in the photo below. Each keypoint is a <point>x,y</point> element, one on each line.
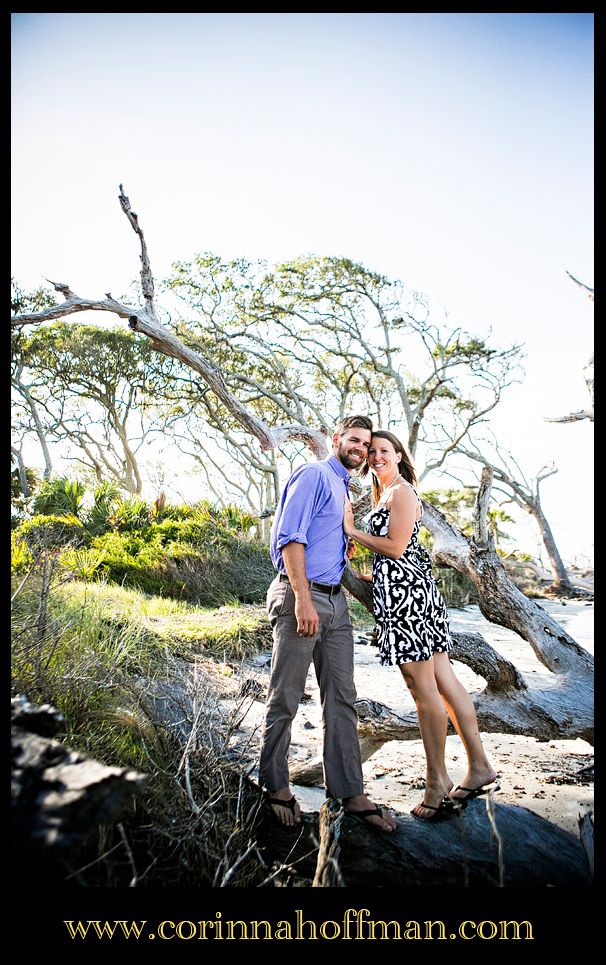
<point>58,797</point>
<point>506,706</point>
<point>500,601</point>
<point>511,848</point>
<point>482,845</point>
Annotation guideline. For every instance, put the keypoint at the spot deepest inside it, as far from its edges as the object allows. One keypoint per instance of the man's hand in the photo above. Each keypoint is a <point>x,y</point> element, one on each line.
<point>308,622</point>
<point>306,615</point>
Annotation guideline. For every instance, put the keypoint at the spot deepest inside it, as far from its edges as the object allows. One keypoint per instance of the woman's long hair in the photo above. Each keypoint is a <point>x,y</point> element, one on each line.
<point>407,470</point>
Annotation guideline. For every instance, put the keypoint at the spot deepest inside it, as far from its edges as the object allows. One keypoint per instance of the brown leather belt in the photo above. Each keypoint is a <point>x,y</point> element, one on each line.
<point>314,585</point>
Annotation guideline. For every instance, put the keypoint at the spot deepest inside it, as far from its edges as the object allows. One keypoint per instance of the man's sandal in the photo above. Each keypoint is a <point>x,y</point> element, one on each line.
<point>290,804</point>
<point>363,816</point>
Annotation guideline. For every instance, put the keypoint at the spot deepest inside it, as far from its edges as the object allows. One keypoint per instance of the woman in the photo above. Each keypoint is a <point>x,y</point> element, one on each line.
<point>412,625</point>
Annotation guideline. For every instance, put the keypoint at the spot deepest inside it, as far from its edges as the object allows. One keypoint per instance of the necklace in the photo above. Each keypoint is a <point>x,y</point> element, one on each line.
<point>391,485</point>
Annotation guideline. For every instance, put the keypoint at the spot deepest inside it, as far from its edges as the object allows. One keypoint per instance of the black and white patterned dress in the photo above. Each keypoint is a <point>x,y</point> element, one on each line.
<point>412,620</point>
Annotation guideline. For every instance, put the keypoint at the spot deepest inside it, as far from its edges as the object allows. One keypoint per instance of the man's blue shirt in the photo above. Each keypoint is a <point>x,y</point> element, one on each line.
<point>311,512</point>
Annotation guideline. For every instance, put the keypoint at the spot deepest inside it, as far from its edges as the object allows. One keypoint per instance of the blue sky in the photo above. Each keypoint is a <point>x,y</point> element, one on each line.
<point>452,151</point>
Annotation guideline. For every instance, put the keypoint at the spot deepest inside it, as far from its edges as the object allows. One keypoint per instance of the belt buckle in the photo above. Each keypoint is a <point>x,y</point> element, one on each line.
<point>329,588</point>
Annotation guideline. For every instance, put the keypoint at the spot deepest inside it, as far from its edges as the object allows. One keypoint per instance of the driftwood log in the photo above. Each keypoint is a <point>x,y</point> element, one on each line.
<point>484,844</point>
<point>57,796</point>
<point>586,833</point>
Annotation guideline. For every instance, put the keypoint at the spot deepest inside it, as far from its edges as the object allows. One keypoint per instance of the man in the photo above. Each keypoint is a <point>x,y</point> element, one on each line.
<point>310,620</point>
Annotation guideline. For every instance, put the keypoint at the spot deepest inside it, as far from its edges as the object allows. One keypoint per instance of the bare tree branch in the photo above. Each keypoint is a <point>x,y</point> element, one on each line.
<point>581,285</point>
<point>480,529</point>
<point>145,321</point>
<point>147,279</point>
<point>587,374</point>
<point>527,495</point>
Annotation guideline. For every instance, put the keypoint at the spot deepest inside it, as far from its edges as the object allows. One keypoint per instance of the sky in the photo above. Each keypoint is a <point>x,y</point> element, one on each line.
<point>451,151</point>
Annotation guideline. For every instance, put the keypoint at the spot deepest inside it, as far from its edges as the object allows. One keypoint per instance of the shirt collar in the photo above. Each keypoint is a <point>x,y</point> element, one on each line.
<point>339,468</point>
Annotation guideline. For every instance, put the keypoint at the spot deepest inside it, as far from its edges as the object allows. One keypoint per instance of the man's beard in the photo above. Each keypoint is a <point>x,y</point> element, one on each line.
<point>349,460</point>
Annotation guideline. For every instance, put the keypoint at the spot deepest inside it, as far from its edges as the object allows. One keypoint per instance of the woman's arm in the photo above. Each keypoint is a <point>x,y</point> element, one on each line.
<point>402,517</point>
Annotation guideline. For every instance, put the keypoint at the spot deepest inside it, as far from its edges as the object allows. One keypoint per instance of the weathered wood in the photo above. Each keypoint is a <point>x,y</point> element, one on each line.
<point>463,851</point>
<point>58,796</point>
<point>586,834</point>
<point>485,844</point>
<point>501,602</point>
<point>289,852</point>
<point>547,714</point>
<point>328,873</point>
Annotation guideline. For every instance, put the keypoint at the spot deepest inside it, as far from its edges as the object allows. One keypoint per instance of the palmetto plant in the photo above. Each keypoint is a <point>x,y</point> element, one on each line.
<point>105,497</point>
<point>130,514</point>
<point>59,496</point>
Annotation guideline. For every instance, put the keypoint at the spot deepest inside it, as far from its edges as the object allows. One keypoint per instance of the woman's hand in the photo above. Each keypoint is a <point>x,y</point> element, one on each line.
<point>349,525</point>
<point>364,577</point>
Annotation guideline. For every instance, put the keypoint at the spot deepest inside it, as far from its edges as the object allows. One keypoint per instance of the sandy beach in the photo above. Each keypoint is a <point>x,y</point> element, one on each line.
<point>553,778</point>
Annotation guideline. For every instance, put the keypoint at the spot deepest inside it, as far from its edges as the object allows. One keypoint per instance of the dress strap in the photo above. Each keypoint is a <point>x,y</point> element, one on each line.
<point>419,500</point>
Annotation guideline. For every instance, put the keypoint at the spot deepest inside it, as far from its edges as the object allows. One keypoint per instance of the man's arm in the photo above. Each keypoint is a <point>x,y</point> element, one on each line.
<point>308,622</point>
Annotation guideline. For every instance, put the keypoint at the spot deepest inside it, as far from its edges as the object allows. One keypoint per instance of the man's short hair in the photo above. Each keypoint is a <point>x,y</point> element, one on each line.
<point>353,422</point>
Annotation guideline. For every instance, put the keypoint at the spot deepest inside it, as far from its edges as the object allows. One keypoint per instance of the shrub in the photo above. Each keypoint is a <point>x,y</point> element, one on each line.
<point>240,570</point>
<point>59,496</point>
<point>199,552</point>
<point>130,514</point>
<point>105,496</point>
<point>21,557</point>
<point>49,531</point>
<point>84,564</point>
<point>194,532</point>
<point>128,558</point>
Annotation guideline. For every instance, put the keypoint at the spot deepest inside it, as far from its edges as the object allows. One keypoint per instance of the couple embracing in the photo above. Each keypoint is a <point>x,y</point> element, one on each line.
<point>310,621</point>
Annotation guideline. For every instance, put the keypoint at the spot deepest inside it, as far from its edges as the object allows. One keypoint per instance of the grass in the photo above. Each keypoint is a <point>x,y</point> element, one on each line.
<point>85,646</point>
<point>155,623</point>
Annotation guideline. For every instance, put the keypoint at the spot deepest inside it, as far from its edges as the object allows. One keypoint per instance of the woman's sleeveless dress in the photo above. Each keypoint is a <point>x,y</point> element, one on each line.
<point>412,620</point>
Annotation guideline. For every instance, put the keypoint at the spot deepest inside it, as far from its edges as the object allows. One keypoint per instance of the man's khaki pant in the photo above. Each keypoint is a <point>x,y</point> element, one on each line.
<point>333,655</point>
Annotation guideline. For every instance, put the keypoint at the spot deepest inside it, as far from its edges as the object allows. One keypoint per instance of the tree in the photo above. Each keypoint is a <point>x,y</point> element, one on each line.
<point>526,494</point>
<point>24,481</point>
<point>457,506</point>
<point>98,390</point>
<point>318,337</point>
<point>26,415</point>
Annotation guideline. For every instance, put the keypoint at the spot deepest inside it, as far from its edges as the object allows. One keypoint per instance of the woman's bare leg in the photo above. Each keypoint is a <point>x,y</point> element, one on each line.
<point>433,722</point>
<point>462,712</point>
